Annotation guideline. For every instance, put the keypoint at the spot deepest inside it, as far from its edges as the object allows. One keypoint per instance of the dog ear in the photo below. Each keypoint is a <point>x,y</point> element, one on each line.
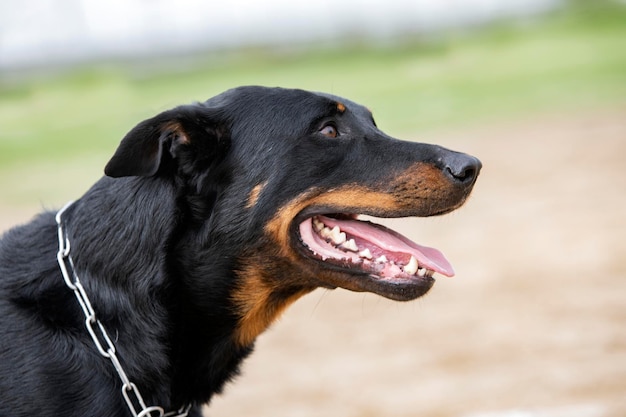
<point>143,151</point>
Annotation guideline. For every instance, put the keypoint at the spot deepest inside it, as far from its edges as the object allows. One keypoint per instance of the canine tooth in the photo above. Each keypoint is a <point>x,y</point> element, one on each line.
<point>350,245</point>
<point>381,259</point>
<point>411,267</point>
<point>365,253</point>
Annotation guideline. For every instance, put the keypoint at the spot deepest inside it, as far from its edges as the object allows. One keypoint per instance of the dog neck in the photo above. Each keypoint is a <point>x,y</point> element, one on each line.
<point>135,272</point>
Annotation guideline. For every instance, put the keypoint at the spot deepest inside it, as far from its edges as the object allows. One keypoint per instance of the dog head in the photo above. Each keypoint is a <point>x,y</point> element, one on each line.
<point>275,180</point>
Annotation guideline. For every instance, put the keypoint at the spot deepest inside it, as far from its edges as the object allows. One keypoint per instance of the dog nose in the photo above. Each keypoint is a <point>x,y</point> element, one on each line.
<point>462,168</point>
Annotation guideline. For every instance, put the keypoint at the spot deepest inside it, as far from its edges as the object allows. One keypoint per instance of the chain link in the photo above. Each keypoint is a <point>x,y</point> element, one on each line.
<point>99,334</point>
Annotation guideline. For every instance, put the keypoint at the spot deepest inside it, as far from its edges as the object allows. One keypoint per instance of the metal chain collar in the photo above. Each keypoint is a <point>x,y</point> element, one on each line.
<point>95,328</point>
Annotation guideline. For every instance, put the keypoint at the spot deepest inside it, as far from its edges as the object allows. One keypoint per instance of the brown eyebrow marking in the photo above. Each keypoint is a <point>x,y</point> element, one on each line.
<point>341,107</point>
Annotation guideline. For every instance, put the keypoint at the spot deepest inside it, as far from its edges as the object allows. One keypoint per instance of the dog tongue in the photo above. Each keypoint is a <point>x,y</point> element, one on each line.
<point>391,241</point>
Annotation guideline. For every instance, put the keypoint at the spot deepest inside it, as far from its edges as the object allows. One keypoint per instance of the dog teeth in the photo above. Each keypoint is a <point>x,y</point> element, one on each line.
<point>337,236</point>
<point>350,245</point>
<point>412,267</point>
<point>317,224</point>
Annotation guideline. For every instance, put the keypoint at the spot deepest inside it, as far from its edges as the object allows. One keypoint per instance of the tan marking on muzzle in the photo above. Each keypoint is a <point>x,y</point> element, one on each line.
<point>420,184</point>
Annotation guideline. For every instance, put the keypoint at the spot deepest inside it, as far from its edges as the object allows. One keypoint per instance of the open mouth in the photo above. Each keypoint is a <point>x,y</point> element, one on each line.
<point>359,247</point>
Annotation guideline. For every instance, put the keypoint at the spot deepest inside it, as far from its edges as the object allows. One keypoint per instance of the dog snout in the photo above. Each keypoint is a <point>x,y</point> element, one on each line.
<point>461,168</point>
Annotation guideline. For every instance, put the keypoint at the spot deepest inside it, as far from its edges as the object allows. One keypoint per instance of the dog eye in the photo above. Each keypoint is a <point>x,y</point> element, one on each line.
<point>329,130</point>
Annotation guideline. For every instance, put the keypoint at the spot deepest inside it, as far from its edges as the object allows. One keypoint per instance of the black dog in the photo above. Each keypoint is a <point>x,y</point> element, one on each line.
<point>212,218</point>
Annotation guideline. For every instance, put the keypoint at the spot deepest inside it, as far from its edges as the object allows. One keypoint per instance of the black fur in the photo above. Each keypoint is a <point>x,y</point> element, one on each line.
<point>159,244</point>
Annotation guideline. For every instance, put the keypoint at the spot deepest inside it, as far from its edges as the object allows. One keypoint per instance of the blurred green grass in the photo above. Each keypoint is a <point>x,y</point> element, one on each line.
<point>571,59</point>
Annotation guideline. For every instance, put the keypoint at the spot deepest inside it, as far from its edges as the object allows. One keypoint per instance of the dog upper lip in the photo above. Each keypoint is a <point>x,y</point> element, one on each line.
<point>382,240</point>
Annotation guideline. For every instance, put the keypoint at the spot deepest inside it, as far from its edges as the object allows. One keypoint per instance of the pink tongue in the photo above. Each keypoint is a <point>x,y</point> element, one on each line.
<point>391,241</point>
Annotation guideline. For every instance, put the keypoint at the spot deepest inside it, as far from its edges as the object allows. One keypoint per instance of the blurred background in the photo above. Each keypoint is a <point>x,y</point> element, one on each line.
<point>534,323</point>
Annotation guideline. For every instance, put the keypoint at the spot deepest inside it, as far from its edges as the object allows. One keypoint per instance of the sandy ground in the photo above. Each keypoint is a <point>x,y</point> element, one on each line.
<point>533,325</point>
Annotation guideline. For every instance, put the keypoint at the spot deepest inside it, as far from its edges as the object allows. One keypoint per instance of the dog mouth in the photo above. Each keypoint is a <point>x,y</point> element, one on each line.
<point>382,260</point>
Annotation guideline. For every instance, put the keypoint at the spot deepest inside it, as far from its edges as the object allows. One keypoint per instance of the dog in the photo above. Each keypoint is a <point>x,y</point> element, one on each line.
<point>146,294</point>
